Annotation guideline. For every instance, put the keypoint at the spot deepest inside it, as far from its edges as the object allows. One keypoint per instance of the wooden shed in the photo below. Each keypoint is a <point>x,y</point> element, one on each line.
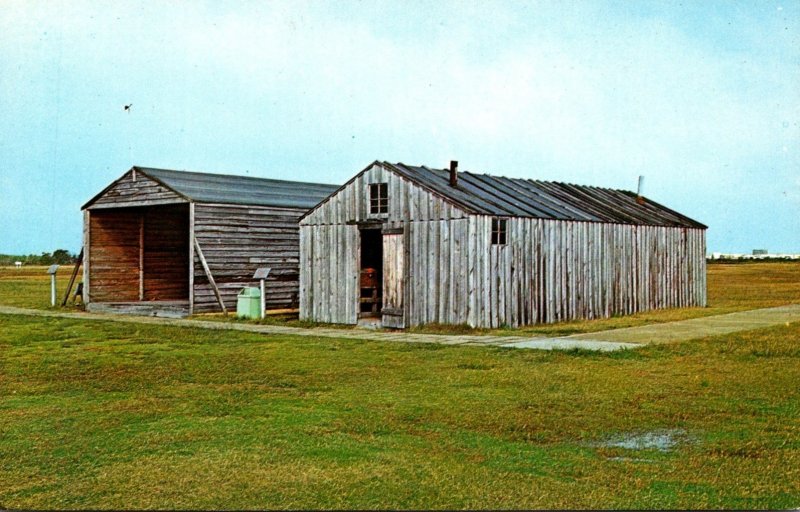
<point>414,245</point>
<point>173,243</point>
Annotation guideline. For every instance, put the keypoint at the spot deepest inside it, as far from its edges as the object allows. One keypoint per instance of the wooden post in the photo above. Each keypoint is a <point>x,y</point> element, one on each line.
<point>52,271</point>
<point>86,242</point>
<point>141,256</point>
<point>263,299</point>
<point>191,259</point>
<point>261,274</point>
<point>209,276</point>
<point>72,278</point>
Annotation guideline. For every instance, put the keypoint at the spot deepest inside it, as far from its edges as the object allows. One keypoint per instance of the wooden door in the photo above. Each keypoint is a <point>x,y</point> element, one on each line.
<point>393,277</point>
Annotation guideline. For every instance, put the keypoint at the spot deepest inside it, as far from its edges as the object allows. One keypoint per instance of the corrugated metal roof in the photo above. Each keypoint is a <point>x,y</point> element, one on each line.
<point>517,197</point>
<point>227,189</point>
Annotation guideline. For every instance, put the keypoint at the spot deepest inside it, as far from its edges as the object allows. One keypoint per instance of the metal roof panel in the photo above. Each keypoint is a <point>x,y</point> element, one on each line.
<point>517,197</point>
<point>228,189</point>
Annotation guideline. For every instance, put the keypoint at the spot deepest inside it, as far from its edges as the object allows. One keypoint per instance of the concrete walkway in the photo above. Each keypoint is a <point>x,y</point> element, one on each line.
<point>602,341</point>
<point>327,332</point>
<point>698,327</point>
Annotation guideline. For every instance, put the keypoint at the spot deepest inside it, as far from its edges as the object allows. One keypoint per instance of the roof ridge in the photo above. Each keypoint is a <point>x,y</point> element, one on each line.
<point>229,176</point>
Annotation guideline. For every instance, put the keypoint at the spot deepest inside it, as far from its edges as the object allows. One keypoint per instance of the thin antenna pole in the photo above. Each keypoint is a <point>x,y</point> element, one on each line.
<point>128,108</point>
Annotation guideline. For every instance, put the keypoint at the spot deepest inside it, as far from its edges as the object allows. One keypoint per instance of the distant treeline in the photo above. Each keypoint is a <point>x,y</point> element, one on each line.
<point>60,256</point>
<point>745,261</point>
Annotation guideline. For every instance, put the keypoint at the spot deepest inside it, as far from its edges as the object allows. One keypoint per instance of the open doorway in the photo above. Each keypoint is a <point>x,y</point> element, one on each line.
<point>139,255</point>
<point>371,273</point>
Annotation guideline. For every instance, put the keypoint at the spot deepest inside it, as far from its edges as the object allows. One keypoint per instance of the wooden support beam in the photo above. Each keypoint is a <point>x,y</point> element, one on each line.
<point>78,264</point>
<point>210,277</point>
<point>191,259</point>
<point>141,256</point>
<point>86,252</point>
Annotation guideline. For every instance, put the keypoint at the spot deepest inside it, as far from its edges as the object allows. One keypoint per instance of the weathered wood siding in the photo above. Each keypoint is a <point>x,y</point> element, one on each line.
<point>406,202</point>
<point>329,273</point>
<point>330,245</point>
<point>552,271</point>
<point>135,189</point>
<point>438,281</point>
<point>236,240</point>
<point>393,310</point>
<point>548,271</point>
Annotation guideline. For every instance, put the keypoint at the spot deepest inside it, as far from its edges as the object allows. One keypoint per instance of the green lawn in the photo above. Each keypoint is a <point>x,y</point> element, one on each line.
<point>731,287</point>
<point>105,415</point>
<point>108,415</point>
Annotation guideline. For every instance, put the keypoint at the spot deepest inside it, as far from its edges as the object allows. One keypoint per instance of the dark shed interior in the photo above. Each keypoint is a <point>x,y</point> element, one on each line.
<point>140,254</point>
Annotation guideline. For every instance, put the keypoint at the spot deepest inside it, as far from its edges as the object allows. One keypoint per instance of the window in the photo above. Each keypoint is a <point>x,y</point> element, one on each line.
<point>378,198</point>
<point>499,231</point>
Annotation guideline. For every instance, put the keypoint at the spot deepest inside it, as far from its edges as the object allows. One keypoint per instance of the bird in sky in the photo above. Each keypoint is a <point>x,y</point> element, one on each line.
<point>128,107</point>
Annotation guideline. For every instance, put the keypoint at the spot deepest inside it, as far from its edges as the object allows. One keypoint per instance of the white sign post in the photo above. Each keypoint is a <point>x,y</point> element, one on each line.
<point>52,271</point>
<point>261,274</point>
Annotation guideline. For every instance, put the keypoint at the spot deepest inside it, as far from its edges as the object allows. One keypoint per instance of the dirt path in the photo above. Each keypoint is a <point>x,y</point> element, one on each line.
<point>603,341</point>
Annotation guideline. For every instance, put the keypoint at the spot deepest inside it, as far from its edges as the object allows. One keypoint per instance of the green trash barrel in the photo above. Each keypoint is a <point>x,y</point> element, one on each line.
<point>248,303</point>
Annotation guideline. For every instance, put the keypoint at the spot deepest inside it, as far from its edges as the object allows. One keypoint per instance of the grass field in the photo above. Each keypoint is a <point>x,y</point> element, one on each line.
<point>731,287</point>
<point>105,415</point>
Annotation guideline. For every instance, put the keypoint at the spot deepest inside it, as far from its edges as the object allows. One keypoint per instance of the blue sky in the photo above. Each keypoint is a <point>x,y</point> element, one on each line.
<point>702,98</point>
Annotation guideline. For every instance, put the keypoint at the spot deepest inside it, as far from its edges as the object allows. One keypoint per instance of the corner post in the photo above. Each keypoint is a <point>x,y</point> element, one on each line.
<point>86,251</point>
<point>191,258</point>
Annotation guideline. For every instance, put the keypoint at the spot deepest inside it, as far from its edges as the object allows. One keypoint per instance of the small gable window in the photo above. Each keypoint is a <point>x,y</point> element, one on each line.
<point>499,231</point>
<point>378,198</point>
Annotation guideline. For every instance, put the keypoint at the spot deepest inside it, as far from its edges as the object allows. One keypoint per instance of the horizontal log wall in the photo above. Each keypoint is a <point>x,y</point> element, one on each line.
<point>139,254</point>
<point>135,189</point>
<point>166,253</point>
<point>236,240</point>
<point>113,269</point>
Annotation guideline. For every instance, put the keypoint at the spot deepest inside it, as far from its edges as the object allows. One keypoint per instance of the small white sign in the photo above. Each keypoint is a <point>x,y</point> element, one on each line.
<point>262,273</point>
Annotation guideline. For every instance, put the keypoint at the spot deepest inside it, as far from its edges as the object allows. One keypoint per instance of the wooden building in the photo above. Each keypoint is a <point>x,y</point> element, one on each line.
<point>173,243</point>
<point>414,245</point>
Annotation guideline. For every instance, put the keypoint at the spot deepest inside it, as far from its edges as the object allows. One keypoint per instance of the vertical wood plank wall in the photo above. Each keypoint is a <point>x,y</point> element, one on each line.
<point>329,273</point>
<point>552,271</point>
<point>236,240</point>
<point>549,271</point>
<point>330,242</point>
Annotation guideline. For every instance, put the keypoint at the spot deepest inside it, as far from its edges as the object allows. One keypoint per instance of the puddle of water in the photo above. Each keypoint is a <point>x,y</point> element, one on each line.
<point>661,440</point>
<point>631,459</point>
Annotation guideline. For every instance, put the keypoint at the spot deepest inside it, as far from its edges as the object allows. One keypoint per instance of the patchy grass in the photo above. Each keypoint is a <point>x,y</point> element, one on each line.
<point>29,286</point>
<point>731,287</point>
<point>104,415</point>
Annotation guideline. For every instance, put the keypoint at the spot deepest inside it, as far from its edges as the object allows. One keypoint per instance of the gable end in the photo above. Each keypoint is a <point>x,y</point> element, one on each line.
<point>134,188</point>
